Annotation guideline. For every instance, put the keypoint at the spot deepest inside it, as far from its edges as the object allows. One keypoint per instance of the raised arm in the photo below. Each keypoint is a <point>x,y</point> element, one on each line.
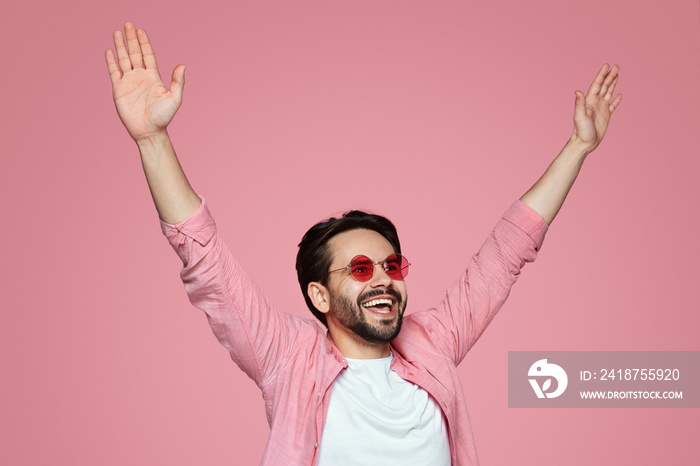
<point>592,114</point>
<point>146,107</point>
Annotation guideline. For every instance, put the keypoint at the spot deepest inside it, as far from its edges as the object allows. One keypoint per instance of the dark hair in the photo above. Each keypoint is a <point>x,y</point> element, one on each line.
<point>314,259</point>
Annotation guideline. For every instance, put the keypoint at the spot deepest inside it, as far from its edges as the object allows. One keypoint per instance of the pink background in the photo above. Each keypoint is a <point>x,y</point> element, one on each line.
<point>436,114</point>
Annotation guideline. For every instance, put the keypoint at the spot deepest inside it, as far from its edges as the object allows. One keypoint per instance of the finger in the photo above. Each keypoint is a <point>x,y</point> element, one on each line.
<point>134,47</point>
<point>178,81</point>
<point>114,74</point>
<point>615,103</point>
<point>598,81</point>
<point>149,57</point>
<point>611,89</point>
<point>122,54</point>
<point>580,106</point>
<point>609,78</point>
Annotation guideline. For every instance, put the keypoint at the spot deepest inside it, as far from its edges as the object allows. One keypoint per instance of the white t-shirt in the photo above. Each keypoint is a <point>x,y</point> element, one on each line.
<point>376,417</point>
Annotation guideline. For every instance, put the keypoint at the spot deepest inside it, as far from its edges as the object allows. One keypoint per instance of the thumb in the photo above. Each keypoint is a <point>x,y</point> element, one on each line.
<point>580,105</point>
<point>178,81</point>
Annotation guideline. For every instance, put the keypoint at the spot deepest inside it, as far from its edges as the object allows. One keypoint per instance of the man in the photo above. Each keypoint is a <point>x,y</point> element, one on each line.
<point>368,385</point>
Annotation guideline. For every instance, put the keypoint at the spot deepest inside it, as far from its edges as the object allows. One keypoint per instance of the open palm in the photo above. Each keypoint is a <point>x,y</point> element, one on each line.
<point>144,104</point>
<point>593,110</point>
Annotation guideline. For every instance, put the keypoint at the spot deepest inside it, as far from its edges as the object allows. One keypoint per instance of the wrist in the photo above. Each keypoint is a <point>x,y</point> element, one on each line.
<point>153,140</point>
<point>578,146</point>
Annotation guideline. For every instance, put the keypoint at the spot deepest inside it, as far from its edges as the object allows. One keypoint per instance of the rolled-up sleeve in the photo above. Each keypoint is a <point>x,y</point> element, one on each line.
<point>200,227</point>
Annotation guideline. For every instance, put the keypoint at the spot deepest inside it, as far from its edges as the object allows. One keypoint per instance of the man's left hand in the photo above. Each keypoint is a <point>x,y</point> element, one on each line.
<point>593,110</point>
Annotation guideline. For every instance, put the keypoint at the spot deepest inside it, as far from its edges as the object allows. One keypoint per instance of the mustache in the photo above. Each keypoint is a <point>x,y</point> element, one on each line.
<point>372,293</point>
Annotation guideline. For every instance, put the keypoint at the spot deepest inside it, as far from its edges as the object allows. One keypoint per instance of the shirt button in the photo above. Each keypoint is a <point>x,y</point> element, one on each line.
<point>316,445</point>
<point>320,394</point>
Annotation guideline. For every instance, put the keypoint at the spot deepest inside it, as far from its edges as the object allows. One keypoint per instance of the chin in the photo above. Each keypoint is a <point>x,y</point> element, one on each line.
<point>379,333</point>
<point>372,327</point>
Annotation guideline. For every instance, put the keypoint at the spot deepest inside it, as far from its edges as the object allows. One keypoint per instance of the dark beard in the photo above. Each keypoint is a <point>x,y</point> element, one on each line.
<point>351,316</point>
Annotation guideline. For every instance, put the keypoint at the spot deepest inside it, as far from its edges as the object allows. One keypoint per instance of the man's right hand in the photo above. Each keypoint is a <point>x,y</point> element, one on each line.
<point>145,106</point>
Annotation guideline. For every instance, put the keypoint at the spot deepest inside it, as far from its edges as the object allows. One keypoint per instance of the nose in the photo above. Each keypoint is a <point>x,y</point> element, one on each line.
<point>380,277</point>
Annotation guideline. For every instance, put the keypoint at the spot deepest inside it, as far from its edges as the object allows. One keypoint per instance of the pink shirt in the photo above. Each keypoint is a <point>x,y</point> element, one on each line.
<point>293,359</point>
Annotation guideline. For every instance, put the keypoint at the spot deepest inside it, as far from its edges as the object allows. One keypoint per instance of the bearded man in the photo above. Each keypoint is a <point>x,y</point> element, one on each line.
<point>362,383</point>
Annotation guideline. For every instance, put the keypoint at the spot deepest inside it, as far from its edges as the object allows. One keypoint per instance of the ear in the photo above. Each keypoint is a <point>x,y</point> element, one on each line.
<point>319,296</point>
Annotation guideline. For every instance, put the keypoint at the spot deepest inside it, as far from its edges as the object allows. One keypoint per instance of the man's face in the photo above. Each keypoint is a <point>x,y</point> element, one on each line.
<point>370,310</point>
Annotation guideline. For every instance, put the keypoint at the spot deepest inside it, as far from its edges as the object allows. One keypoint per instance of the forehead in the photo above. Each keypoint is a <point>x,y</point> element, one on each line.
<point>348,244</point>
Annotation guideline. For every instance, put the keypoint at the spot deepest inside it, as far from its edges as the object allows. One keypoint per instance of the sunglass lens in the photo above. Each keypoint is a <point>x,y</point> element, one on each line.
<point>361,268</point>
<point>396,266</point>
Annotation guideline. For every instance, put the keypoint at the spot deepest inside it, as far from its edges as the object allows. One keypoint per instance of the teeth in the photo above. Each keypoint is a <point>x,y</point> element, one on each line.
<point>378,302</point>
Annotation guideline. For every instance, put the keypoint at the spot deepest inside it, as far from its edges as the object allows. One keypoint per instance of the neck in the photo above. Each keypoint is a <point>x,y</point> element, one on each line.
<point>352,346</point>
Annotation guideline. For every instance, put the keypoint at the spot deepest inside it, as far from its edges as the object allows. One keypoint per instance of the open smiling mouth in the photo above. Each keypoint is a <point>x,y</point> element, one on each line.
<point>380,305</point>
